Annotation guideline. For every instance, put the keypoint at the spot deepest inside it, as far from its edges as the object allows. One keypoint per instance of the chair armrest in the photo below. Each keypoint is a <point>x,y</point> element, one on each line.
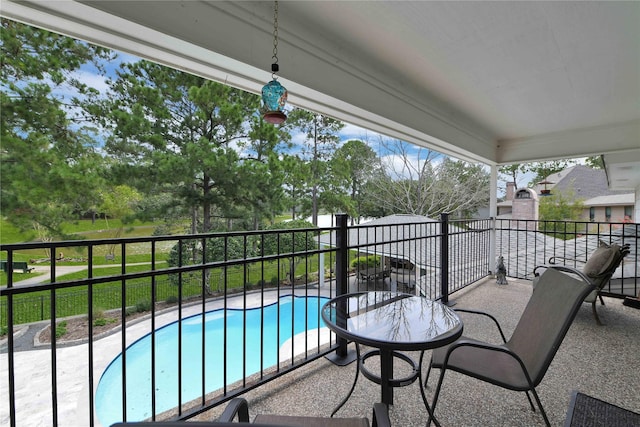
<point>236,406</point>
<point>535,270</point>
<point>381,415</point>
<point>487,346</point>
<point>482,313</point>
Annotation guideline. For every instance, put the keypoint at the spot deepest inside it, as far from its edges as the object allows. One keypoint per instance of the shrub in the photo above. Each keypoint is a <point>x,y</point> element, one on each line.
<point>171,299</point>
<point>98,313</point>
<point>162,230</point>
<point>274,281</point>
<point>370,261</point>
<point>143,305</point>
<point>100,322</point>
<point>61,329</point>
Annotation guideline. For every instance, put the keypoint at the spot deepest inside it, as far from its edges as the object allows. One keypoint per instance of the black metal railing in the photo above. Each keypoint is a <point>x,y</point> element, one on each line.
<point>526,244</point>
<point>183,278</point>
<point>206,270</point>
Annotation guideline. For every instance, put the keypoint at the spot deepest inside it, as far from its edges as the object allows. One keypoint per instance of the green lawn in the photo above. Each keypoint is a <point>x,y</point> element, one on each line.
<point>106,296</point>
<point>74,301</point>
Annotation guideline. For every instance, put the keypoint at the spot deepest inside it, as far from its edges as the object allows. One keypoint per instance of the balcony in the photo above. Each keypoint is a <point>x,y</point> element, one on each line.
<point>599,361</point>
<point>451,262</point>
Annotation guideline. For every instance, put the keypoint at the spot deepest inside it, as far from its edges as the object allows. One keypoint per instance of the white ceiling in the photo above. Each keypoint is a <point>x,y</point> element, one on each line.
<point>497,82</point>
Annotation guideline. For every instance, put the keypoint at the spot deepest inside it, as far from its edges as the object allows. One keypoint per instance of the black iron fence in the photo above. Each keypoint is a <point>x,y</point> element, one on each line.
<point>526,244</point>
<point>218,277</point>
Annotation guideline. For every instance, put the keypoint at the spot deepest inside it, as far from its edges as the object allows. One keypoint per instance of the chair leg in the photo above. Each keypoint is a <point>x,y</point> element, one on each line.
<point>435,397</point>
<point>544,414</point>
<point>533,408</point>
<point>595,313</point>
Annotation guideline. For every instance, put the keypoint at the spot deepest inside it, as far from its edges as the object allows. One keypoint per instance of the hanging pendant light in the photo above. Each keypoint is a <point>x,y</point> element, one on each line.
<point>274,95</point>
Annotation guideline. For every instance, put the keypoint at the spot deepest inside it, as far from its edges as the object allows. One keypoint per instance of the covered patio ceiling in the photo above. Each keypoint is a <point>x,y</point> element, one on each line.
<point>495,82</point>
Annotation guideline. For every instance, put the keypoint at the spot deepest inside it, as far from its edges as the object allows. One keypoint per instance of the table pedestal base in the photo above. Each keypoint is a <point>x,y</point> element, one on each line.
<point>338,360</point>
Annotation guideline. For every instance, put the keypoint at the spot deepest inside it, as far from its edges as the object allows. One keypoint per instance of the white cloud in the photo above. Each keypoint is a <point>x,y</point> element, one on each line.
<point>92,80</point>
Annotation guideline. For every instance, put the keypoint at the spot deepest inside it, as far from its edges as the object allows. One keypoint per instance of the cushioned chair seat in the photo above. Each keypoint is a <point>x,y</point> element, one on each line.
<point>498,368</point>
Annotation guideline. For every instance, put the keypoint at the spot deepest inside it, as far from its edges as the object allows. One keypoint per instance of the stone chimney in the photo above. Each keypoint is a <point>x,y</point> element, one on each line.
<point>525,207</point>
<point>511,189</point>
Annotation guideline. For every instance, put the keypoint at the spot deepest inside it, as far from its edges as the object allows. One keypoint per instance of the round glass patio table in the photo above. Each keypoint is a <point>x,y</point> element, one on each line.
<point>391,322</point>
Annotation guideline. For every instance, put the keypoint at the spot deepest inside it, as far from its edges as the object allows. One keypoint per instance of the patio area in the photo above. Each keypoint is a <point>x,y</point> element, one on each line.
<point>601,361</point>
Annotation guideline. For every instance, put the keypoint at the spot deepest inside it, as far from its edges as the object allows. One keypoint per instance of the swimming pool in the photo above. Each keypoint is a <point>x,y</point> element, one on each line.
<point>303,310</point>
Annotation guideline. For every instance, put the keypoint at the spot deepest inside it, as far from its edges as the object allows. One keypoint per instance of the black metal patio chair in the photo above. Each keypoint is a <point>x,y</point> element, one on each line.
<point>597,270</point>
<point>237,413</point>
<point>520,363</point>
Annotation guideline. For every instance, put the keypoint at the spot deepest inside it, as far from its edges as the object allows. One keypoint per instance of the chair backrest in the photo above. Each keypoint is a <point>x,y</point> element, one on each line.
<point>546,320</point>
<point>603,262</point>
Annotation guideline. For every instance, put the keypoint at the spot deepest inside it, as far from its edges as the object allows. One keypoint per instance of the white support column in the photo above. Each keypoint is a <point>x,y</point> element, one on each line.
<point>493,213</point>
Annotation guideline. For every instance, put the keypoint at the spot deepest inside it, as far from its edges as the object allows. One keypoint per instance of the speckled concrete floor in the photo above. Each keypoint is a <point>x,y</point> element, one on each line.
<point>601,361</point>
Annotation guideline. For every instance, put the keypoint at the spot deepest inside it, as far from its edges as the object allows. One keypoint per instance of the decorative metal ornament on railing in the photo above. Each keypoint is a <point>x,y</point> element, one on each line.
<point>274,95</point>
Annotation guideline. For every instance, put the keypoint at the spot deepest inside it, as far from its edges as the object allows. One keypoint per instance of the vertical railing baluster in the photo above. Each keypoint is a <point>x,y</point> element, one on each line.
<point>10,343</point>
<point>262,343</point>
<point>225,322</point>
<point>179,343</point>
<point>444,258</point>
<point>153,332</point>
<point>54,359</point>
<point>204,276</point>
<point>123,330</point>
<point>90,337</point>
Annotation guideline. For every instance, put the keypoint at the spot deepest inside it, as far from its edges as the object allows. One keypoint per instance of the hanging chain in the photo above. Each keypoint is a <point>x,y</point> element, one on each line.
<point>274,66</point>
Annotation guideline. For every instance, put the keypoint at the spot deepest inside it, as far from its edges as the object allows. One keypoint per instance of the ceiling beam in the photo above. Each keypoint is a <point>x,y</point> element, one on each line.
<point>620,137</point>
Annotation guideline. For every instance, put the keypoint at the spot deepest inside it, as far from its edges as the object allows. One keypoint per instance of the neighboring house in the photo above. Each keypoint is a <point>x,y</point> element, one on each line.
<point>590,186</point>
<point>613,208</point>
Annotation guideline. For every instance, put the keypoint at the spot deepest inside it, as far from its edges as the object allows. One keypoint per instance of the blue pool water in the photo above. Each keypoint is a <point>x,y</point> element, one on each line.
<point>303,310</point>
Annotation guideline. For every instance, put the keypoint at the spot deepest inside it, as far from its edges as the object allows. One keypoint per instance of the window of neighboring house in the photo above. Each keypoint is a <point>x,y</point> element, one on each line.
<point>592,214</point>
<point>607,213</point>
<point>628,213</point>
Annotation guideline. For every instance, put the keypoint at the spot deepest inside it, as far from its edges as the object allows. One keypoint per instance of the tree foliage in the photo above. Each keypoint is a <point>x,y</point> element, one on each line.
<point>595,162</point>
<point>563,207</point>
<point>120,202</point>
<point>543,169</point>
<point>50,168</point>
<point>513,173</point>
<point>161,143</point>
<point>198,138</point>
<point>321,141</point>
<point>352,167</point>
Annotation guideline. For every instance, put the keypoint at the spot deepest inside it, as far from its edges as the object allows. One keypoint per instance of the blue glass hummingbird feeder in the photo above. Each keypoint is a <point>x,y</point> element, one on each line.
<point>274,98</point>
